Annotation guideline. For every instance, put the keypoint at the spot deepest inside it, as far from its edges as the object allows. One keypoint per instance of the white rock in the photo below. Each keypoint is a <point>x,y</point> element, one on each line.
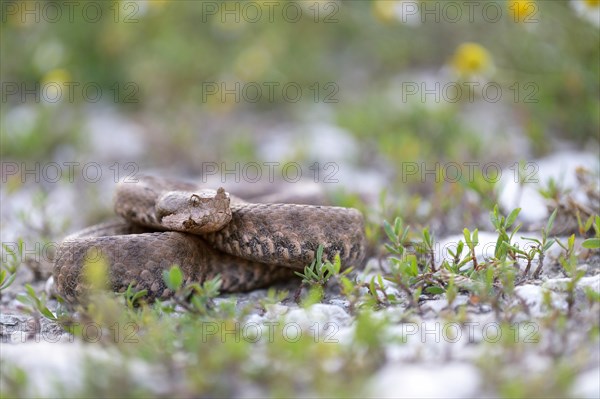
<point>454,380</point>
<point>561,284</point>
<point>559,166</point>
<point>587,385</point>
<point>322,322</point>
<point>533,295</point>
<point>275,310</point>
<point>51,367</point>
<point>319,313</point>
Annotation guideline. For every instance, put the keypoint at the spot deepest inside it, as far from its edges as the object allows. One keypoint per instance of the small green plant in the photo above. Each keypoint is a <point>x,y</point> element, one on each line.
<point>427,248</point>
<point>552,191</point>
<point>404,271</point>
<point>502,225</point>
<point>35,304</point>
<point>472,240</point>
<point>6,279</point>
<point>594,242</point>
<point>8,272</point>
<point>398,235</point>
<point>134,298</point>
<point>451,290</point>
<point>541,247</point>
<point>568,261</point>
<point>195,298</point>
<point>377,297</point>
<point>318,274</point>
<point>592,295</point>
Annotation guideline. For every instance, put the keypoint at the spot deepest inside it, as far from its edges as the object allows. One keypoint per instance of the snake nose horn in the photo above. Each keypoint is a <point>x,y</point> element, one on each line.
<point>220,193</point>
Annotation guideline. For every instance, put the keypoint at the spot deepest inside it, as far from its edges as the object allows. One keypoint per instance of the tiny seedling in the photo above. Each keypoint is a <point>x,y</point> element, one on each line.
<point>318,273</point>
<point>34,304</point>
<point>541,247</point>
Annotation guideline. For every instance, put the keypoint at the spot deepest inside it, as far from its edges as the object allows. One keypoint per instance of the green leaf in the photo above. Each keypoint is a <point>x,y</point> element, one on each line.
<point>467,235</point>
<point>380,281</point>
<point>347,285</point>
<point>139,295</point>
<point>173,278</point>
<point>372,289</point>
<point>515,249</point>
<point>25,300</point>
<point>404,234</point>
<point>397,226</point>
<point>571,241</point>
<point>427,237</point>
<point>588,223</point>
<point>314,295</point>
<point>47,313</point>
<point>6,282</point>
<point>592,295</point>
<point>319,257</point>
<point>395,260</point>
<point>337,264</point>
<point>394,250</point>
<point>512,217</point>
<point>500,251</point>
<point>550,221</point>
<point>591,243</point>
<point>301,275</point>
<point>30,291</point>
<point>532,240</point>
<point>548,245</point>
<point>434,290</point>
<point>417,294</point>
<point>389,231</point>
<point>412,267</point>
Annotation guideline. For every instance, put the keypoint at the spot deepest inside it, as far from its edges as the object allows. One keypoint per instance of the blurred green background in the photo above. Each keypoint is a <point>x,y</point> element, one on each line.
<point>152,64</point>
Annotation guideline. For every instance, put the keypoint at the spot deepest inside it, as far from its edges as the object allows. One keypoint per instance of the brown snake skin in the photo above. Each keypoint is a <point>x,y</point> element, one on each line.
<point>249,245</point>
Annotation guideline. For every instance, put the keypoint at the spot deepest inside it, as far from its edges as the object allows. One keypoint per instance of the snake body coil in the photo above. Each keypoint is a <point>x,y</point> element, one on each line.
<point>206,233</point>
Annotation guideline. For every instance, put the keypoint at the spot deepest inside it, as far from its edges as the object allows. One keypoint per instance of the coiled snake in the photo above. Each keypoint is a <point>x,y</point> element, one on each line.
<point>206,233</point>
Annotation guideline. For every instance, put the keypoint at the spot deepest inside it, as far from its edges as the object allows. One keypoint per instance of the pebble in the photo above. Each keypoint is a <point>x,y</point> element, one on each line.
<point>561,284</point>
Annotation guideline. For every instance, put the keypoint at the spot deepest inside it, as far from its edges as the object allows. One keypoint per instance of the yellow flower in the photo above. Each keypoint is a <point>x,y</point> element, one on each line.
<point>471,59</point>
<point>592,3</point>
<point>385,10</point>
<point>59,76</point>
<point>53,85</point>
<point>522,10</point>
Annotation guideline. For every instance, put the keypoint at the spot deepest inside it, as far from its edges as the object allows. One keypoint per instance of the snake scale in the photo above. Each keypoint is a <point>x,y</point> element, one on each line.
<point>206,233</point>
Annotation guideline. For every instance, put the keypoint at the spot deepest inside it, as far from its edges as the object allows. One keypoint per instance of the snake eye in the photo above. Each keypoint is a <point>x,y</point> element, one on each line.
<point>195,200</point>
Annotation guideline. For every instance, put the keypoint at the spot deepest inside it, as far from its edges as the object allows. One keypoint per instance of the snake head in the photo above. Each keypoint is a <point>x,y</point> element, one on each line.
<point>199,212</point>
